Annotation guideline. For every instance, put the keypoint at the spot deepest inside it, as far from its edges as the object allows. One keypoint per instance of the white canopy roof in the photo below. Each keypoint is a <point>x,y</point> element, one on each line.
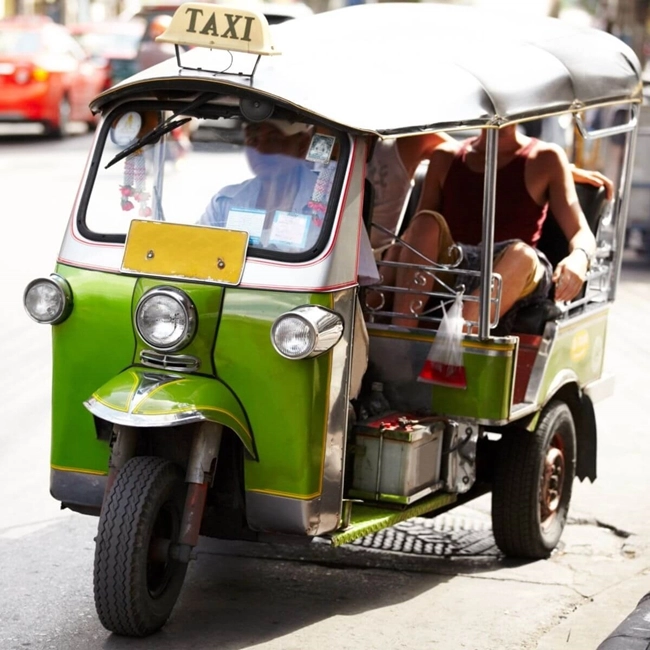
<point>391,68</point>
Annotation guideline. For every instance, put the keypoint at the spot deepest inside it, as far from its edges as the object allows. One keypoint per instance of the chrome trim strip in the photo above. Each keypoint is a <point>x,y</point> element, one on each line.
<point>135,420</point>
<point>522,410</point>
<point>541,361</point>
<point>173,362</point>
<point>335,441</point>
<point>599,310</point>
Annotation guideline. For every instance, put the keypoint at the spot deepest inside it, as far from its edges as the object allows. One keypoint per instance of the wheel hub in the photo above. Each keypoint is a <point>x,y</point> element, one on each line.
<point>552,481</point>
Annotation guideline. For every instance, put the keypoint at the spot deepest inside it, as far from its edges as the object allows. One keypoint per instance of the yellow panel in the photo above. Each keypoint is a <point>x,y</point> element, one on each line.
<point>172,250</point>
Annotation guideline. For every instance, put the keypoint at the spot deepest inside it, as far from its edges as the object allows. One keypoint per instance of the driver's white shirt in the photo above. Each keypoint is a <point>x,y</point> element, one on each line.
<point>245,195</point>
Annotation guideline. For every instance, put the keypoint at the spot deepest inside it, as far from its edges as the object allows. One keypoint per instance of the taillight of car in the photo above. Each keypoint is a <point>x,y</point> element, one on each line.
<point>39,74</point>
<point>27,74</point>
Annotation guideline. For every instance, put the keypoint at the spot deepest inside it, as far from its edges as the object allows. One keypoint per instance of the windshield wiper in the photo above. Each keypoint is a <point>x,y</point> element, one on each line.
<point>157,132</point>
<point>153,136</point>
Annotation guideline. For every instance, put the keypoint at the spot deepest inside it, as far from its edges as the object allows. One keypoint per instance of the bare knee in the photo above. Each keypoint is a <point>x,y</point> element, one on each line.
<point>423,228</point>
<point>520,256</point>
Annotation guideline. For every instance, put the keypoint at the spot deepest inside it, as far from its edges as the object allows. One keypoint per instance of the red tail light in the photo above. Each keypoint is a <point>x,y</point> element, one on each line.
<point>24,74</point>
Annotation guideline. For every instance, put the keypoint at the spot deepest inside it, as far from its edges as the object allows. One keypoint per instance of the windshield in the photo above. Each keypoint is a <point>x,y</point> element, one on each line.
<point>19,42</point>
<point>274,179</point>
<point>109,43</point>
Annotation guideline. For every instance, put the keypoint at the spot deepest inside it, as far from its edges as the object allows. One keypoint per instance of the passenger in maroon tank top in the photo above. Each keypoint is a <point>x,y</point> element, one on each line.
<point>532,176</point>
<point>518,215</point>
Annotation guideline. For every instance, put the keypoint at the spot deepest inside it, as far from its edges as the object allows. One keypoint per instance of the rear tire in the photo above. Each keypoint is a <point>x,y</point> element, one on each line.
<point>136,583</point>
<point>533,483</point>
<point>59,128</point>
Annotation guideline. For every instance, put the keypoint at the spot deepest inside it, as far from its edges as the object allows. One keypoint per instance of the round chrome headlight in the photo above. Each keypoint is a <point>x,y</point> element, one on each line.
<point>165,319</point>
<point>48,300</point>
<point>306,332</point>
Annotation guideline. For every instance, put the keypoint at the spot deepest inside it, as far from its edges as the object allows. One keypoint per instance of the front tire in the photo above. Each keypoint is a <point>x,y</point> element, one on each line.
<point>533,483</point>
<point>136,583</point>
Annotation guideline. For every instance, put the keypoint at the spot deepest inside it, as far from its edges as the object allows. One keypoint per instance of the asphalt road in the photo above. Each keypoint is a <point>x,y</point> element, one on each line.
<point>274,598</point>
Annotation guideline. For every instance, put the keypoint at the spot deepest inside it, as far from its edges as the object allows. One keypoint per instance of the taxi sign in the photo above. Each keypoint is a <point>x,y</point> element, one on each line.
<point>219,27</point>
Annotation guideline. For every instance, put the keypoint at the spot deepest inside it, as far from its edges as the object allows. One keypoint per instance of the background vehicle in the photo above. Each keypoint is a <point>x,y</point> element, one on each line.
<point>113,46</point>
<point>45,75</point>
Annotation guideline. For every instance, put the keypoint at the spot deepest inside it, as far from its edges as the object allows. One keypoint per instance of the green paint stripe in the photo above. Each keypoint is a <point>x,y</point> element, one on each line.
<point>367,519</point>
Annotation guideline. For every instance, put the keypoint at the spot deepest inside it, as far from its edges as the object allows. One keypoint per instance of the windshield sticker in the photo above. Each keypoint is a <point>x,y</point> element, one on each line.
<point>250,221</point>
<point>289,229</point>
<point>320,148</point>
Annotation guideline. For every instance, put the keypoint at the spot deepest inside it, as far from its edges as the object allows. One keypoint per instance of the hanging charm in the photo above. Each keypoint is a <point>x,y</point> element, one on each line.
<point>134,187</point>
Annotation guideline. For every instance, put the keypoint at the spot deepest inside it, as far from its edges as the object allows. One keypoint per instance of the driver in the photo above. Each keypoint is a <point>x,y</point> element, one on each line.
<point>283,180</point>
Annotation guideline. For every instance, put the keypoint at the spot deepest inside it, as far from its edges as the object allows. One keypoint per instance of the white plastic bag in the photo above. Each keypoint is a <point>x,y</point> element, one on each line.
<point>444,364</point>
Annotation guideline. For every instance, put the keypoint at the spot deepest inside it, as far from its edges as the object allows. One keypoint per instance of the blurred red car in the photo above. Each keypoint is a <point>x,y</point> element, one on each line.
<point>113,45</point>
<point>45,75</point>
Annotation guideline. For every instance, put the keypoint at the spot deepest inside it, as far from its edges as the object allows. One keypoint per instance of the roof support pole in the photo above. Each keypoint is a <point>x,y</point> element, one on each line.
<point>489,202</point>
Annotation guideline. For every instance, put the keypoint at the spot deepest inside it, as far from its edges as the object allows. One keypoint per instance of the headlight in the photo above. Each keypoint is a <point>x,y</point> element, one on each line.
<point>165,318</point>
<point>48,300</point>
<point>306,332</point>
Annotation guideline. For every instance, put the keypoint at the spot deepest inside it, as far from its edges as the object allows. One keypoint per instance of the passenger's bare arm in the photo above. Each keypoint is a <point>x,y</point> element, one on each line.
<point>414,149</point>
<point>439,162</point>
<point>570,272</point>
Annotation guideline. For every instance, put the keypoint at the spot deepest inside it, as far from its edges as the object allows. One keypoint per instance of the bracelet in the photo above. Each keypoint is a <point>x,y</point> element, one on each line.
<point>584,250</point>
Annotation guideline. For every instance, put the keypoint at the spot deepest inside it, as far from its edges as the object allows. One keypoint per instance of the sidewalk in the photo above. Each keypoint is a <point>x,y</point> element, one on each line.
<point>590,624</point>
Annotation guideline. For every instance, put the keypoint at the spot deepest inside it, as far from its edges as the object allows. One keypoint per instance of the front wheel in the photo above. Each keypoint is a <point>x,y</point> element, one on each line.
<point>533,483</point>
<point>136,582</point>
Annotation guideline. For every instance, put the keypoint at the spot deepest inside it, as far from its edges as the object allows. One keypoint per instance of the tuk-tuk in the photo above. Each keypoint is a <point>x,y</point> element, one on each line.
<point>209,354</point>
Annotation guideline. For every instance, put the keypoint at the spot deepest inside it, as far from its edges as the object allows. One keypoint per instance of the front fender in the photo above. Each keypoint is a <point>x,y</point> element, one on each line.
<point>139,397</point>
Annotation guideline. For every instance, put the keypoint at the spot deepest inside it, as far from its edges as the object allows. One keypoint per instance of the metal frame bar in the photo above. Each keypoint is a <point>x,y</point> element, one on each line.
<point>489,203</point>
<point>623,200</point>
<point>610,130</point>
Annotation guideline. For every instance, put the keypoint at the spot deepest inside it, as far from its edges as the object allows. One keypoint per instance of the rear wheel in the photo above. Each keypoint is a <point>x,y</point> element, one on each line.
<point>533,483</point>
<point>136,582</point>
<point>59,128</point>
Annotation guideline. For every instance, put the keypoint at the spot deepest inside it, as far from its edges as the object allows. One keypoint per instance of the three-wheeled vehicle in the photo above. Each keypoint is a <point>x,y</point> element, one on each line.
<point>208,352</point>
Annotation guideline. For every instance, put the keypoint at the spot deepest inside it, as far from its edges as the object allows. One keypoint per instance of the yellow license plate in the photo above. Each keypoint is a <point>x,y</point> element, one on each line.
<point>179,251</point>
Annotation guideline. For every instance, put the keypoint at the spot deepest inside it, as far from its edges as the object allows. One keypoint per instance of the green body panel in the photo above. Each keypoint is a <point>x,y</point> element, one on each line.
<point>175,395</point>
<point>369,519</point>
<point>578,352</point>
<point>283,404</point>
<point>285,400</point>
<point>207,300</point>
<point>95,343</point>
<point>490,380</point>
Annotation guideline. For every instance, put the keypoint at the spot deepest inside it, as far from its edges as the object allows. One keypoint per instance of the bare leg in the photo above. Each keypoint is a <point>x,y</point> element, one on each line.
<point>423,234</point>
<point>517,266</point>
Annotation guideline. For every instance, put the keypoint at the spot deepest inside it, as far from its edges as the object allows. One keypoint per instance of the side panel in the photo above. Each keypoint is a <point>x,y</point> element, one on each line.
<point>396,359</point>
<point>88,349</point>
<point>297,411</point>
<point>281,397</point>
<point>576,354</point>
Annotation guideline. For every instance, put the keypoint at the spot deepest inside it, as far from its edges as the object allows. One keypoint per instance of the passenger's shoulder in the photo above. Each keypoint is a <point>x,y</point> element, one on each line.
<point>549,151</point>
<point>444,153</point>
